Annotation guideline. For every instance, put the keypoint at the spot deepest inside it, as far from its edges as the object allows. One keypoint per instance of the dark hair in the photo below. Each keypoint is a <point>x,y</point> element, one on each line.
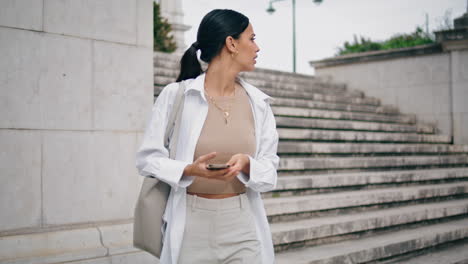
<point>214,28</point>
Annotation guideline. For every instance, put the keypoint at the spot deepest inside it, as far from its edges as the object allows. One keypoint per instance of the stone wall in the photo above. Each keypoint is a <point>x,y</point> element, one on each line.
<point>432,84</point>
<point>76,89</point>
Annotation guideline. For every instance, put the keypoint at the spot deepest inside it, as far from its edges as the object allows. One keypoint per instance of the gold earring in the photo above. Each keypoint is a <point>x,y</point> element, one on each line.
<point>234,53</point>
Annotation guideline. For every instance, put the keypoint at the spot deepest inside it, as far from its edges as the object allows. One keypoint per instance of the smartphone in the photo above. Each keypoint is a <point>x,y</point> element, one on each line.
<point>217,166</point>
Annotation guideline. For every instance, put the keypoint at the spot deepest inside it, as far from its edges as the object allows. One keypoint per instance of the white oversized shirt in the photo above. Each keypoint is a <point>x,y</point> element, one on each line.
<point>152,159</point>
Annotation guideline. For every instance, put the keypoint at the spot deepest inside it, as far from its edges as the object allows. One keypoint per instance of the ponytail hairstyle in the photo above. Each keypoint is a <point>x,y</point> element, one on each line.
<point>214,28</point>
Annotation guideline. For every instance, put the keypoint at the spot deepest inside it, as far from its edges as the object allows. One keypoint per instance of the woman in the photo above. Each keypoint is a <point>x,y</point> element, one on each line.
<point>216,216</point>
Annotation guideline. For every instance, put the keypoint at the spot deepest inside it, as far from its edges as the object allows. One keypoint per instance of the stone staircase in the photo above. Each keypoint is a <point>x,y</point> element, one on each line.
<point>358,182</point>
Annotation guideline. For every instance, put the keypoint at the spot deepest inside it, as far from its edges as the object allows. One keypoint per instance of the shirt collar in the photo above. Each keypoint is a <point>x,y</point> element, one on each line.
<point>255,94</point>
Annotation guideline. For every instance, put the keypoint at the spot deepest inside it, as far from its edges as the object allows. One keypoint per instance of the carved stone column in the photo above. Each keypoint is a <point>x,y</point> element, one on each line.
<point>172,10</point>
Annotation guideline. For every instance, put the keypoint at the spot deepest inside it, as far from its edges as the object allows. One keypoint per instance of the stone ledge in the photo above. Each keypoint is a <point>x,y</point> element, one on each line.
<point>52,247</point>
<point>377,55</point>
<point>129,258</point>
<point>98,243</point>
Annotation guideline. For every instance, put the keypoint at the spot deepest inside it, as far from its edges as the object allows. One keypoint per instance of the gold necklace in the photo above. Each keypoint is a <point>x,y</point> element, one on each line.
<point>224,111</point>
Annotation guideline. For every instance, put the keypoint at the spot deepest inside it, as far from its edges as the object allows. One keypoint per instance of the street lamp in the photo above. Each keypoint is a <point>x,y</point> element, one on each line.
<point>270,10</point>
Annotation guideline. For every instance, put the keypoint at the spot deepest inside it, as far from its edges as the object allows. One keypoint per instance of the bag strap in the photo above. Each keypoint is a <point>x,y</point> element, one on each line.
<point>171,134</point>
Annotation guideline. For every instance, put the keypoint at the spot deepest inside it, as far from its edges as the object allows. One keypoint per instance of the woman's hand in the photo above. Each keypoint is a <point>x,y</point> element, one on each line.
<point>238,163</point>
<point>198,168</point>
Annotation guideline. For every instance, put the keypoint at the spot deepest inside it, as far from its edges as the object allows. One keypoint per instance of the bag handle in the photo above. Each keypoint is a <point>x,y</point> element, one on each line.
<point>171,134</point>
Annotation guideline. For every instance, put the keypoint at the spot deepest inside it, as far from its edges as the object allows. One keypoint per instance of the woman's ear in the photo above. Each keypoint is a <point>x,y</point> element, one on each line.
<point>231,44</point>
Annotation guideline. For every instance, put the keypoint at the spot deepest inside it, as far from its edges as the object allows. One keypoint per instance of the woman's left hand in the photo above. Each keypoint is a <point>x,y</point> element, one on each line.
<point>238,163</point>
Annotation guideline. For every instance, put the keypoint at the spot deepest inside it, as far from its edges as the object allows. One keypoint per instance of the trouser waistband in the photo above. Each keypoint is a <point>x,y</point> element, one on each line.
<point>238,201</point>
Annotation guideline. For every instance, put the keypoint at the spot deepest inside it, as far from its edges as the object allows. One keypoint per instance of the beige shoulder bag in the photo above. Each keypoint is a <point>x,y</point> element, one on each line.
<point>151,204</point>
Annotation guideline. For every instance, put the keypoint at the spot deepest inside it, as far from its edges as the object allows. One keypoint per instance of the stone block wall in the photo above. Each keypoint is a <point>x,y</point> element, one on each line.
<point>76,89</point>
<point>432,86</point>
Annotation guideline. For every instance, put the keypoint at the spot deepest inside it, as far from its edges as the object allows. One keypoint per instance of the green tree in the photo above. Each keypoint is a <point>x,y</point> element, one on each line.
<point>163,41</point>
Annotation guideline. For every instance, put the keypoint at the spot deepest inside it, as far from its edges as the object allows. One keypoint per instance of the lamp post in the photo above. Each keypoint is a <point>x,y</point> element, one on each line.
<point>270,10</point>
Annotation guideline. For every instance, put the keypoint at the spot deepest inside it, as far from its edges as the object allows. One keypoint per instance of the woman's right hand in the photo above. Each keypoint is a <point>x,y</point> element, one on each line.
<point>198,168</point>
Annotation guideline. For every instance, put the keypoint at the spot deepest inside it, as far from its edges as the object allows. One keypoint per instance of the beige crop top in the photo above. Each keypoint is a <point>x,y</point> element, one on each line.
<point>237,136</point>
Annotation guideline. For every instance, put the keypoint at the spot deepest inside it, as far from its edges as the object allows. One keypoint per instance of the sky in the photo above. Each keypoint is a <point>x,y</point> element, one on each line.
<point>321,29</point>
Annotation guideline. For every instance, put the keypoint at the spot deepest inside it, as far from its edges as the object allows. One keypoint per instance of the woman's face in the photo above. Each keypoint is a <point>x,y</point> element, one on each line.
<point>247,50</point>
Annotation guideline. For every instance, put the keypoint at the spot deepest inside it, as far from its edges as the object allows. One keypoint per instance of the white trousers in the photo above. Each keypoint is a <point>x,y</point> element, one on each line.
<point>219,231</point>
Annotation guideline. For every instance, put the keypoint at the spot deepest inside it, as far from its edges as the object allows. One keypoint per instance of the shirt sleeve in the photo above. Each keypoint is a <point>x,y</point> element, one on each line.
<point>263,174</point>
<point>152,158</point>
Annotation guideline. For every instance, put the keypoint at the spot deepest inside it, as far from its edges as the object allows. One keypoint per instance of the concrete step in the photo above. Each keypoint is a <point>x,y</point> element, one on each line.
<point>333,98</point>
<point>311,87</point>
<point>342,115</point>
<point>166,64</point>
<point>319,148</point>
<point>166,56</point>
<point>295,102</point>
<point>291,102</point>
<point>351,199</point>
<point>282,76</point>
<point>352,125</point>
<point>167,72</point>
<point>163,75</point>
<point>299,231</point>
<point>378,247</point>
<point>453,254</point>
<point>358,136</point>
<point>259,78</point>
<point>344,97</point>
<point>164,80</point>
<point>326,163</point>
<point>322,182</point>
<point>298,122</point>
<point>171,61</point>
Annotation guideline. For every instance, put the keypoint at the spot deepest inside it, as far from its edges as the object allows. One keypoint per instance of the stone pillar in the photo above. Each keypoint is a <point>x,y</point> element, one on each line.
<point>172,10</point>
<point>76,81</point>
<point>455,42</point>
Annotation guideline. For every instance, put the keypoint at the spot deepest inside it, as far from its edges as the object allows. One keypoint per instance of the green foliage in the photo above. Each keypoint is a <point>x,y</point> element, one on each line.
<point>163,41</point>
<point>397,41</point>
